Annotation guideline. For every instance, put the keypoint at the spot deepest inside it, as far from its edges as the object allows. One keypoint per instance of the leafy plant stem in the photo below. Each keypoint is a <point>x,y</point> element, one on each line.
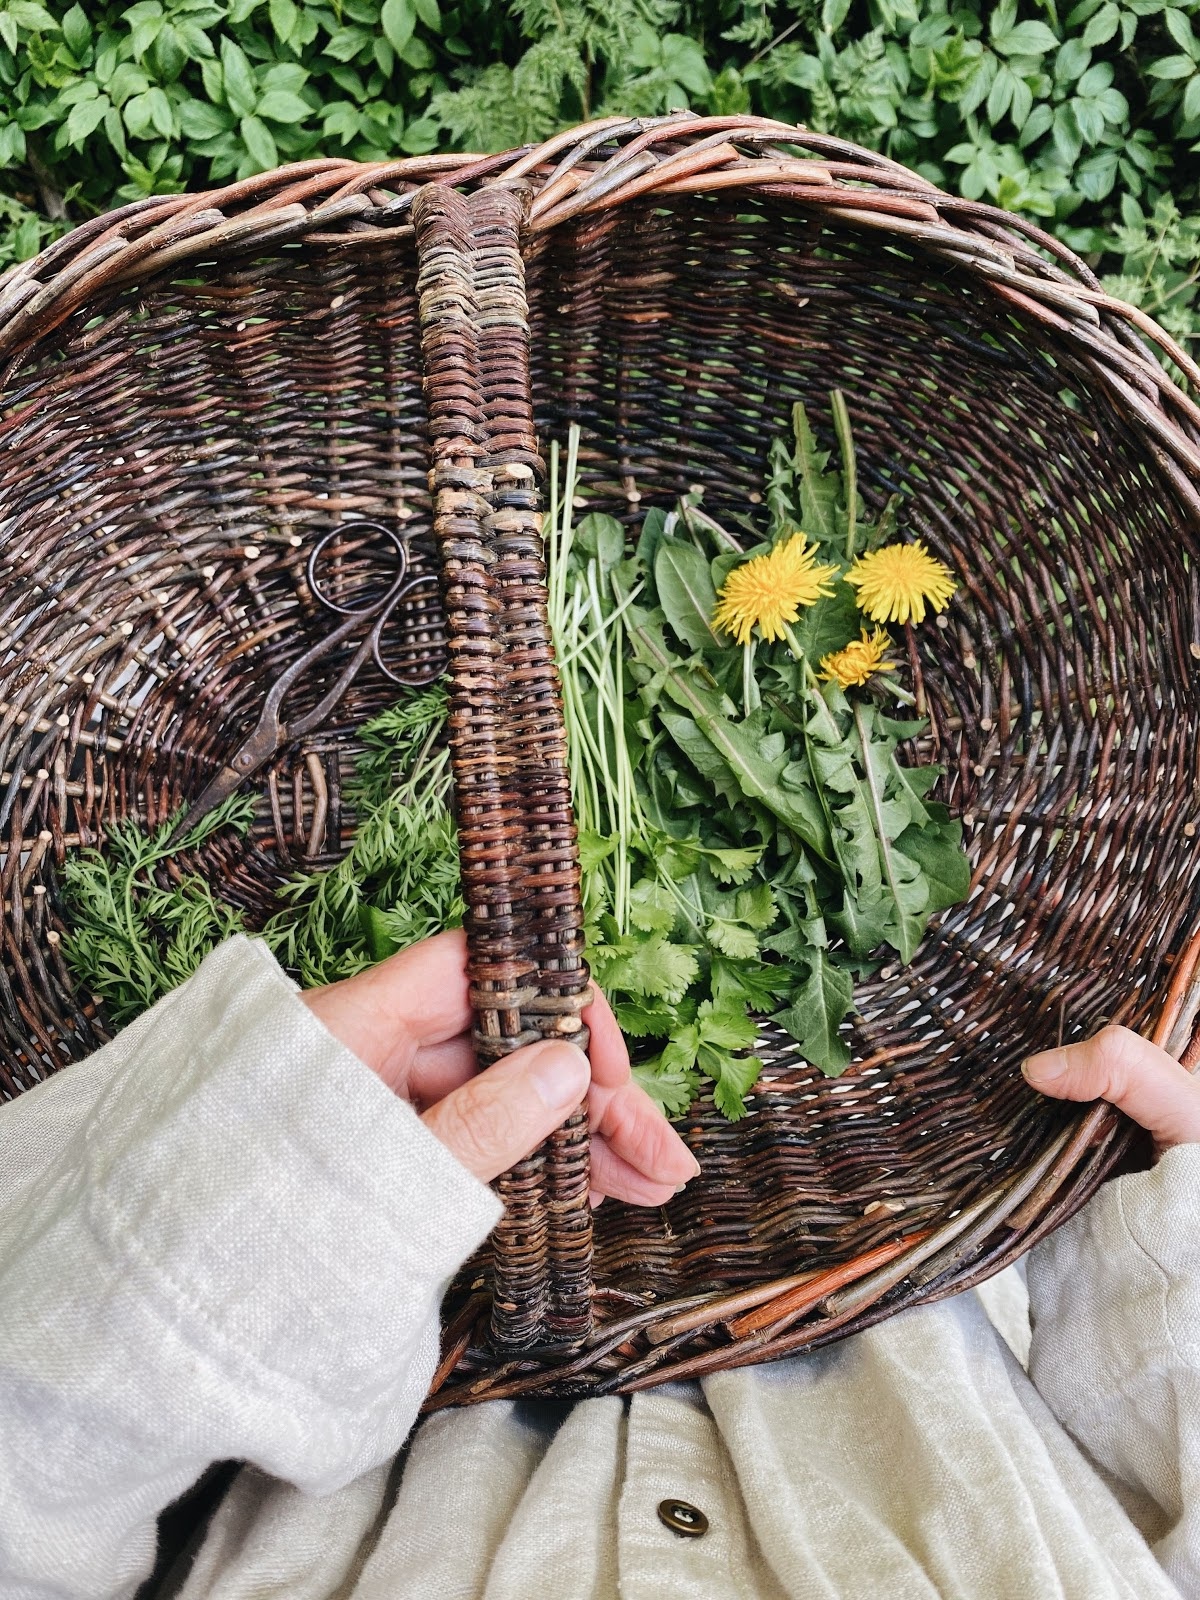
<point>750,695</point>
<point>841,423</point>
<point>876,801</point>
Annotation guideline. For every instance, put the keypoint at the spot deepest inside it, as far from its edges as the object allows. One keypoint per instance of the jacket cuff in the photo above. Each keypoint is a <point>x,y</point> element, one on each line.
<point>1121,1282</point>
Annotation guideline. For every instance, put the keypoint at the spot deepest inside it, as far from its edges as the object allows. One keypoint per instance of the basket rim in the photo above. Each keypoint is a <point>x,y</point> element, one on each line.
<point>357,205</point>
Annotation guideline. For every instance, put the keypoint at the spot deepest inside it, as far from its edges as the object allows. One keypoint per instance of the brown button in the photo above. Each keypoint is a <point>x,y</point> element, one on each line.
<point>682,1518</point>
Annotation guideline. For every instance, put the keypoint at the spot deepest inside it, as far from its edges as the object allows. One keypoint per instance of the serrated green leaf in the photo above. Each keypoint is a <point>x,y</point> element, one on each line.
<point>76,30</point>
<point>1103,25</point>
<point>731,938</point>
<point>819,491</point>
<point>28,14</point>
<point>901,874</point>
<point>347,44</point>
<point>280,105</point>
<point>399,18</point>
<point>729,755</point>
<point>1172,67</point>
<point>200,120</point>
<point>686,593</point>
<point>818,1007</point>
<point>672,1089</point>
<point>650,965</point>
<point>284,15</point>
<point>730,864</point>
<point>1180,29</point>
<point>756,906</point>
<point>1027,38</point>
<point>937,850</point>
<point>724,1027</point>
<point>755,985</point>
<point>862,921</point>
<point>594,848</point>
<point>85,117</point>
<point>734,1077</point>
<point>645,1019</point>
<point>652,907</point>
<point>829,624</point>
<point>260,144</point>
<point>241,91</point>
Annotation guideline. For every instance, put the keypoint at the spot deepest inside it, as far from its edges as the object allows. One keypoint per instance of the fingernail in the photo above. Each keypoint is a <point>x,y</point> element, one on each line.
<point>560,1073</point>
<point>1040,1069</point>
<point>696,1166</point>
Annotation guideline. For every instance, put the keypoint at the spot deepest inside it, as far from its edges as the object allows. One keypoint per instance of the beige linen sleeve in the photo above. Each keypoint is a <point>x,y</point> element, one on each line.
<point>1115,1307</point>
<point>221,1237</point>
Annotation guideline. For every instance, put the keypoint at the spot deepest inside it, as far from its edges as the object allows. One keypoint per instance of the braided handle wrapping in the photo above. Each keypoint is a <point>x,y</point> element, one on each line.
<point>508,744</point>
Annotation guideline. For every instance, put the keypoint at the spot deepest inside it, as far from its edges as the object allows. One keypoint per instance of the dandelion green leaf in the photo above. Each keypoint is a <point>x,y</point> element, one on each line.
<point>821,517</point>
<point>829,625</point>
<point>686,594</point>
<point>937,850</point>
<point>818,1007</point>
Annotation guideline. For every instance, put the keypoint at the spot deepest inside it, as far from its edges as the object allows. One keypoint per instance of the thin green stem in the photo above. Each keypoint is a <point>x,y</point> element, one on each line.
<point>598,636</point>
<point>795,646</point>
<point>841,423</point>
<point>751,699</point>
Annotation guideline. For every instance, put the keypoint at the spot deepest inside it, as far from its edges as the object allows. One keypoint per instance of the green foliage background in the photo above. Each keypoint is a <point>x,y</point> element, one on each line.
<point>1087,118</point>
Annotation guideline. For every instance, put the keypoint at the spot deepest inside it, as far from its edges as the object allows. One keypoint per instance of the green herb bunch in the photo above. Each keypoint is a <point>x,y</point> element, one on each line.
<point>399,881</point>
<point>749,837</point>
<point>136,929</point>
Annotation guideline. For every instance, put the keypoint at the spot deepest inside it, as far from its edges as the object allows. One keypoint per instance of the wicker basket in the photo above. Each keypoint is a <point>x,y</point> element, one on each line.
<point>197,387</point>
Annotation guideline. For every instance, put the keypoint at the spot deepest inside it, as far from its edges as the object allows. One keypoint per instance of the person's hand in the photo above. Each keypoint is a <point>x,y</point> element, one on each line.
<point>409,1020</point>
<point>1129,1072</point>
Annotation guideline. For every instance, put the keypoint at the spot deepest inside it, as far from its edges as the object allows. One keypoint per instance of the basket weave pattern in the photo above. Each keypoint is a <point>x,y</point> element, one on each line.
<point>197,387</point>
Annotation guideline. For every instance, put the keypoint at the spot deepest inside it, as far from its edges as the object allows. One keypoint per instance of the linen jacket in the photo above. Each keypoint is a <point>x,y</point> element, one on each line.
<point>223,1238</point>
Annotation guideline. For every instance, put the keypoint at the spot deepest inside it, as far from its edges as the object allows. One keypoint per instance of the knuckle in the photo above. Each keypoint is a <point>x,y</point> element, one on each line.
<point>490,1123</point>
<point>469,1128</point>
<point>1111,1054</point>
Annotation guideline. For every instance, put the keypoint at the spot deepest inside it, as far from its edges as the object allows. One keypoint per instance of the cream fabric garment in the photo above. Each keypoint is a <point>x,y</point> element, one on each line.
<point>222,1235</point>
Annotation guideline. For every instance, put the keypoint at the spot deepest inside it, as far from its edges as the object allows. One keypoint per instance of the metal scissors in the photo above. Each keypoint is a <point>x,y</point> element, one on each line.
<point>342,573</point>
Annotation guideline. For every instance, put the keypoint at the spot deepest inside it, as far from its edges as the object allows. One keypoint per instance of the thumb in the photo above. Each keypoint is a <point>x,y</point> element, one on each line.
<point>1129,1072</point>
<point>496,1118</point>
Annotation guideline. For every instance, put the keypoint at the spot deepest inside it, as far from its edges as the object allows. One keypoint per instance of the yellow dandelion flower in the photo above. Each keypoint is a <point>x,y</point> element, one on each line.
<point>860,660</point>
<point>769,591</point>
<point>894,583</point>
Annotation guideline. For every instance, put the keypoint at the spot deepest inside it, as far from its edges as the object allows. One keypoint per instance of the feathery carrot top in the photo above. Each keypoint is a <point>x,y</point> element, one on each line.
<point>769,591</point>
<point>860,660</point>
<point>894,583</point>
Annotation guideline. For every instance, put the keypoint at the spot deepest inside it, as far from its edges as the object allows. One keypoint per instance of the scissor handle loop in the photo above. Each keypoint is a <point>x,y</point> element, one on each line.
<point>414,677</point>
<point>369,607</point>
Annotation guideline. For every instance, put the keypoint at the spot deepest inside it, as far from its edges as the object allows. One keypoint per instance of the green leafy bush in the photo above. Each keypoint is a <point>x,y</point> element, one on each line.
<point>1089,121</point>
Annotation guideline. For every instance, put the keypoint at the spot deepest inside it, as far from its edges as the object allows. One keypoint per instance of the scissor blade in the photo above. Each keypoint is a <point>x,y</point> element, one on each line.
<point>226,782</point>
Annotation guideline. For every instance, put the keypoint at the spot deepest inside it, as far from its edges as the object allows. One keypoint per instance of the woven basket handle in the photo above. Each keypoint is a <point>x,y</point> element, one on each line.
<point>517,838</point>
